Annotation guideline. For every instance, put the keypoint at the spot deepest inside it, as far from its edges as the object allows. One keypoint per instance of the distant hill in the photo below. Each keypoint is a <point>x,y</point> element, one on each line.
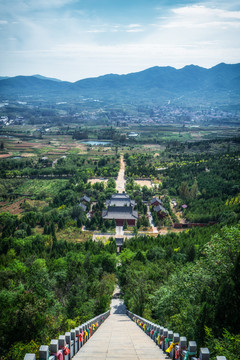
<point>46,78</point>
<point>220,84</point>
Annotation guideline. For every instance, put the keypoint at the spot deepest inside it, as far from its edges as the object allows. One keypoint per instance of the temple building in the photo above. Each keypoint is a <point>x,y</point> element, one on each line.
<point>121,208</point>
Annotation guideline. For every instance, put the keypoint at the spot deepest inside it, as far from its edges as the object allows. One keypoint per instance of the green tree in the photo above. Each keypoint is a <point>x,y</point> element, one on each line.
<point>184,191</point>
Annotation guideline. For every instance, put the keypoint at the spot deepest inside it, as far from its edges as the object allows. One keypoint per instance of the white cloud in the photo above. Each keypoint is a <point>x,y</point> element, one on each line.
<point>134,30</point>
<point>134,26</point>
<point>73,61</point>
<point>199,16</point>
<point>3,22</point>
<point>96,31</point>
<point>73,44</point>
<point>198,11</point>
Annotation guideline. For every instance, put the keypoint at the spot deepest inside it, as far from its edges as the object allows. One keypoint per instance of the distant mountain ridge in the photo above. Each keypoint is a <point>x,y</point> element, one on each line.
<point>46,78</point>
<point>156,84</point>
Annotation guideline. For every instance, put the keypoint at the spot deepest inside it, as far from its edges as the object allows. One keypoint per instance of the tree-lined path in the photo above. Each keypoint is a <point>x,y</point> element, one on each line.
<point>120,182</point>
<point>119,338</point>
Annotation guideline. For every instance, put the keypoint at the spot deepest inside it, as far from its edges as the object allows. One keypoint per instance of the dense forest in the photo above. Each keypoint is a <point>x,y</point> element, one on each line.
<point>207,183</point>
<point>189,283</point>
<point>50,286</point>
<point>65,166</point>
<point>53,276</point>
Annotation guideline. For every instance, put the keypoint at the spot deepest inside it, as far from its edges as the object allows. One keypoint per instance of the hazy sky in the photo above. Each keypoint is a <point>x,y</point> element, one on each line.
<point>75,39</point>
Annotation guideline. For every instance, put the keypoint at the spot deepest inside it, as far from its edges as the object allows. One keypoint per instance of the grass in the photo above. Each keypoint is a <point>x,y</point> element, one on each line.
<point>73,234</point>
<point>37,186</point>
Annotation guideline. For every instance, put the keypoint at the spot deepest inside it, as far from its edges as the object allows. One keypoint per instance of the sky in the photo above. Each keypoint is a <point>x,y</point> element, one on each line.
<point>75,39</point>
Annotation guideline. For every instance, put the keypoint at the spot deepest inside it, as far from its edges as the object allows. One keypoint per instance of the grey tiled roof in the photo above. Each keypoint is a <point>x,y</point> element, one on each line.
<point>160,208</point>
<point>85,198</point>
<point>119,241</point>
<point>83,206</point>
<point>152,201</point>
<point>119,212</point>
<point>120,200</point>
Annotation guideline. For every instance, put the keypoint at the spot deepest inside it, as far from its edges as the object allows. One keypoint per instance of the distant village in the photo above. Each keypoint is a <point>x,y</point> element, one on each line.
<point>144,115</point>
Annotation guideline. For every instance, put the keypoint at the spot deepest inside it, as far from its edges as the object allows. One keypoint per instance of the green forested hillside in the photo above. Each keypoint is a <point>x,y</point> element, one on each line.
<point>48,287</point>
<point>156,84</point>
<point>188,283</point>
<point>54,277</point>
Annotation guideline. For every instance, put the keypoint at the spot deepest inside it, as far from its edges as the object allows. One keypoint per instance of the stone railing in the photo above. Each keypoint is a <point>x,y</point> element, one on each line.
<point>66,346</point>
<point>173,345</point>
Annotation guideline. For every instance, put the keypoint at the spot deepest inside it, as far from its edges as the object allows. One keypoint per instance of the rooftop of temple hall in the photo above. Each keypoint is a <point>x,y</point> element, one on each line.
<point>120,200</point>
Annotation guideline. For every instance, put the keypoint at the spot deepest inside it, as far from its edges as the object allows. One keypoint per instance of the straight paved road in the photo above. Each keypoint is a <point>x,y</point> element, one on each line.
<point>120,182</point>
<point>119,338</point>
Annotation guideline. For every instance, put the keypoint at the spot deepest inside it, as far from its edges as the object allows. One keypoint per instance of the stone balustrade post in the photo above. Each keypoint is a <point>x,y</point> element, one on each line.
<point>145,326</point>
<point>68,341</point>
<point>180,347</point>
<point>150,329</point>
<point>30,357</point>
<point>95,325</point>
<point>165,332</point>
<point>91,328</point>
<point>153,331</point>
<point>156,333</point>
<point>204,354</point>
<point>153,327</point>
<point>160,335</point>
<point>77,332</point>
<point>168,339</point>
<point>83,331</point>
<point>91,325</point>
<point>73,338</point>
<point>54,345</point>
<point>88,331</point>
<point>82,337</point>
<point>62,344</point>
<point>191,350</point>
<point>44,352</point>
<point>175,341</point>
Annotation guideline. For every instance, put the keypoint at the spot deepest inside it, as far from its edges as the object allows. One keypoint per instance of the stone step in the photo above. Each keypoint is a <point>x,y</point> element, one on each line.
<point>119,338</point>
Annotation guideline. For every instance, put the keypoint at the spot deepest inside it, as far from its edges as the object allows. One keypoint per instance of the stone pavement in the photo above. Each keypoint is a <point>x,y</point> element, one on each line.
<point>119,338</point>
<point>120,182</point>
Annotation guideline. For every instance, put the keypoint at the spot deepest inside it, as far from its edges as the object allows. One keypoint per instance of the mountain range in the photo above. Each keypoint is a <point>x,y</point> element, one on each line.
<point>219,84</point>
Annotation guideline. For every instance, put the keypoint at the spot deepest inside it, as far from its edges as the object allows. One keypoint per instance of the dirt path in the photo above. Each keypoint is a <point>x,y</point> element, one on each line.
<point>120,182</point>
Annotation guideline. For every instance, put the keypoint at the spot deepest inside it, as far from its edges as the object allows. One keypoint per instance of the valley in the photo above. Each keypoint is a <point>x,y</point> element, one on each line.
<point>96,195</point>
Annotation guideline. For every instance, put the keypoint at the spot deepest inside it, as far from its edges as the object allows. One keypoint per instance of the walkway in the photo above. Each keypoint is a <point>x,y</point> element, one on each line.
<point>154,228</point>
<point>120,182</point>
<point>119,338</point>
<point>119,231</point>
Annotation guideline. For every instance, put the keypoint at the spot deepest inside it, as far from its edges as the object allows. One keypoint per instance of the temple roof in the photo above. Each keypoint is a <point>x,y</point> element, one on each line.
<point>120,212</point>
<point>120,200</point>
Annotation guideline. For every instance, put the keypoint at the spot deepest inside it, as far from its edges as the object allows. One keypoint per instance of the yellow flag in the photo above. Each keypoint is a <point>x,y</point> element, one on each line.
<point>171,347</point>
